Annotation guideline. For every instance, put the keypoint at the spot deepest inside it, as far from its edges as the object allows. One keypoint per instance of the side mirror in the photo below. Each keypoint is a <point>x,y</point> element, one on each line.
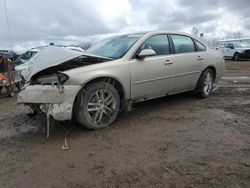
<point>231,47</point>
<point>146,53</point>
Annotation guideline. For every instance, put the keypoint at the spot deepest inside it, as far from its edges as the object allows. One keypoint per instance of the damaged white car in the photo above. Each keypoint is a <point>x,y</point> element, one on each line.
<point>92,87</point>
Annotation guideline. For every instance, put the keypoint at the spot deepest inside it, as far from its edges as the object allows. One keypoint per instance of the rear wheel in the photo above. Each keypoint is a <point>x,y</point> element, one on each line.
<point>97,106</point>
<point>205,84</point>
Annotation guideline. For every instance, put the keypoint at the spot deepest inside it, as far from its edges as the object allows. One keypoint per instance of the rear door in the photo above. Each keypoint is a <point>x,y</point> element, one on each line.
<point>188,62</point>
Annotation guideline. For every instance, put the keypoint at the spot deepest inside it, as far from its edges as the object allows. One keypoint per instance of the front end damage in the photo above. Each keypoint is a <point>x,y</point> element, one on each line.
<point>57,100</point>
<point>49,87</point>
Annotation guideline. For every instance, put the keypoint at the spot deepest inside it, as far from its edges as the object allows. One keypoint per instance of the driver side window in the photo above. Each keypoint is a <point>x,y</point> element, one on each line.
<point>158,43</point>
<point>230,45</point>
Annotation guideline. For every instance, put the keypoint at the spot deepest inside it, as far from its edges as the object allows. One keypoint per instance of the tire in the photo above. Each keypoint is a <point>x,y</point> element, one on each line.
<point>236,56</point>
<point>205,84</point>
<point>97,106</point>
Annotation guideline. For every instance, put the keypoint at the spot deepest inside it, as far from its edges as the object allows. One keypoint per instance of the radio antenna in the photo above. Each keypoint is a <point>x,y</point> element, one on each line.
<point>8,25</point>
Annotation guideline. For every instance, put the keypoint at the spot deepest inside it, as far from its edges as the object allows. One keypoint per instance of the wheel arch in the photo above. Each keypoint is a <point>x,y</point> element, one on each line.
<point>108,79</point>
<point>236,52</point>
<point>211,67</point>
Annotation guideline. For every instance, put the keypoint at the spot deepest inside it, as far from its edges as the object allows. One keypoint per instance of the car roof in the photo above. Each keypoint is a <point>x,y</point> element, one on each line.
<point>156,32</point>
<point>150,33</point>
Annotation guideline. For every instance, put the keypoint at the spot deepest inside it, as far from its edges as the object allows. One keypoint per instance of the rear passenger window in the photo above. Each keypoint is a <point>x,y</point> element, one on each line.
<point>183,44</point>
<point>158,43</point>
<point>200,47</point>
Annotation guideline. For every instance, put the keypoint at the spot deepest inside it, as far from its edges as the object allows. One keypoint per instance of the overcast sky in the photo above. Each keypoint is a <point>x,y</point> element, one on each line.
<point>38,22</point>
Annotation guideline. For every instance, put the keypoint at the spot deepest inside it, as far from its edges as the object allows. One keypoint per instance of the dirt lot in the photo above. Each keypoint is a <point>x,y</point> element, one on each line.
<point>176,141</point>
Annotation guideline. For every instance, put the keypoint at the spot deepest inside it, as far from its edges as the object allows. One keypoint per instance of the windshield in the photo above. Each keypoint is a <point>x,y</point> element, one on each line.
<point>243,45</point>
<point>114,47</point>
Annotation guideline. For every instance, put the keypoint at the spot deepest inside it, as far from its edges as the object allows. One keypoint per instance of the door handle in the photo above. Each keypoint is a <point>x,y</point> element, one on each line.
<point>168,62</point>
<point>200,58</point>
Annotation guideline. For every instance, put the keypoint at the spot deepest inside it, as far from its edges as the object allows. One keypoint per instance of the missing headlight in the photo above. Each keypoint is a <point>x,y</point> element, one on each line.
<point>54,79</point>
<point>62,78</point>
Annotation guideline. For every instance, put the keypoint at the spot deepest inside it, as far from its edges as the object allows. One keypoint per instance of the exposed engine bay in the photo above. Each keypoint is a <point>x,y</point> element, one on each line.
<point>54,75</point>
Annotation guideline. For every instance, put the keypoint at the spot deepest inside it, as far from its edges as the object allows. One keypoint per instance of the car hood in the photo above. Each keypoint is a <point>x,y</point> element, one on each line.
<point>50,57</point>
<point>57,59</point>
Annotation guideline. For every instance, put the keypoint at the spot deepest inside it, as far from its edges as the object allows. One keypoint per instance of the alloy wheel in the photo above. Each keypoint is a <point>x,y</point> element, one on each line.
<point>101,106</point>
<point>208,83</point>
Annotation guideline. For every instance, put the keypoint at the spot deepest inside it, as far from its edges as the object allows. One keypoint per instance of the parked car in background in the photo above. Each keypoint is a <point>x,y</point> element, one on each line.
<point>10,54</point>
<point>92,87</point>
<point>23,62</point>
<point>235,49</point>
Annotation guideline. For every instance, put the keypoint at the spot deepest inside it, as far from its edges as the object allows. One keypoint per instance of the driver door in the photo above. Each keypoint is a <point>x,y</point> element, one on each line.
<point>229,51</point>
<point>155,75</point>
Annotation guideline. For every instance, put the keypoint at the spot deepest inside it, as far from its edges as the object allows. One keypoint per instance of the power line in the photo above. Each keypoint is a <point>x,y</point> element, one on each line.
<point>8,25</point>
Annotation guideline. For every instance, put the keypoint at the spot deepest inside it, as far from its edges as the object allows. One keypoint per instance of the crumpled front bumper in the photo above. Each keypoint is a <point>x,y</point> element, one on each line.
<point>59,99</point>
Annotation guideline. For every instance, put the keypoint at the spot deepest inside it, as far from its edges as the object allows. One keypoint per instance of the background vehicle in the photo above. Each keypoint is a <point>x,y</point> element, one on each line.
<point>10,54</point>
<point>116,72</point>
<point>24,61</point>
<point>235,48</point>
<point>9,78</point>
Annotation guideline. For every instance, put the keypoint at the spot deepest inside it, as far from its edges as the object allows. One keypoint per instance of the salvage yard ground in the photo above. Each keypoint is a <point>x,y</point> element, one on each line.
<point>175,141</point>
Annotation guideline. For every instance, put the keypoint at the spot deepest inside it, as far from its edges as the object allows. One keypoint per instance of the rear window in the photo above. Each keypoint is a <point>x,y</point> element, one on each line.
<point>183,44</point>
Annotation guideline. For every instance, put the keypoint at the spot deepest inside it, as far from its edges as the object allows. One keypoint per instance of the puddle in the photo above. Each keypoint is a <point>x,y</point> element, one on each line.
<point>10,130</point>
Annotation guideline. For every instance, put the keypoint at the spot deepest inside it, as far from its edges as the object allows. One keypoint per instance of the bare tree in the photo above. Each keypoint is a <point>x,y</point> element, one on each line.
<point>233,35</point>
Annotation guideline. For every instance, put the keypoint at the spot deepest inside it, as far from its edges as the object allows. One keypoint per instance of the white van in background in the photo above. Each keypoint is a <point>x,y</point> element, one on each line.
<point>235,49</point>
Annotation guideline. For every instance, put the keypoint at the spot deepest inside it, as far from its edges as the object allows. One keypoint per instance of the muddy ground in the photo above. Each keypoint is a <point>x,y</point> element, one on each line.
<point>175,141</point>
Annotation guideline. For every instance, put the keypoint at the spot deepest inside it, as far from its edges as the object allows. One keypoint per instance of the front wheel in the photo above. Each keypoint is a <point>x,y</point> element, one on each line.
<point>205,84</point>
<point>236,56</point>
<point>97,106</point>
